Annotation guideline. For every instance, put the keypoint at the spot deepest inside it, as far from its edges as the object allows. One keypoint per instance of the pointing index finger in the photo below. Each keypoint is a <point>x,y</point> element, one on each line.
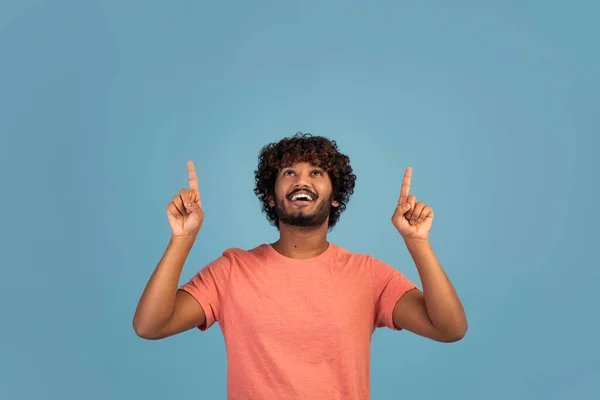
<point>192,178</point>
<point>193,181</point>
<point>405,189</point>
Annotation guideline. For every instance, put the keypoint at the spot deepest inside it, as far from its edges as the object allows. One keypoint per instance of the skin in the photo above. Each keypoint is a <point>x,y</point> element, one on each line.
<point>163,310</point>
<point>435,313</point>
<point>294,241</point>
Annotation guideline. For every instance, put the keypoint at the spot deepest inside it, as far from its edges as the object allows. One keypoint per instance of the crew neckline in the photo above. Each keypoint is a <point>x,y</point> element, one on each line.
<point>320,257</point>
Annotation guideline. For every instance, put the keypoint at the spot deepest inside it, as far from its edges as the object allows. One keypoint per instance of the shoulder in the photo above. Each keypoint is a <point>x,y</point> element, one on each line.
<point>346,256</point>
<point>366,260</point>
<point>239,255</point>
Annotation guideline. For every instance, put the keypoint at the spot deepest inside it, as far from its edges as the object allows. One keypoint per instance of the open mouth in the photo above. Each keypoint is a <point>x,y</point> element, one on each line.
<point>302,198</point>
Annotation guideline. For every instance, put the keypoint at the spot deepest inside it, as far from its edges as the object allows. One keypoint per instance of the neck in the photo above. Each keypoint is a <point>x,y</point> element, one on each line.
<point>300,242</point>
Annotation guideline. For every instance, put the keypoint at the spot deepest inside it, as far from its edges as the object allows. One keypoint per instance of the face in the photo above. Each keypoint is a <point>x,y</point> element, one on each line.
<point>303,195</point>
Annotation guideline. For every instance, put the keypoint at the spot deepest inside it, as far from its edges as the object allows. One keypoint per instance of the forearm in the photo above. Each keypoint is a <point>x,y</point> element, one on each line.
<point>158,299</point>
<point>443,305</point>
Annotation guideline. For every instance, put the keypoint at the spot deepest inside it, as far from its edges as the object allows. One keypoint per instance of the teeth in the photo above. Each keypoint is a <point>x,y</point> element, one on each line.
<point>302,196</point>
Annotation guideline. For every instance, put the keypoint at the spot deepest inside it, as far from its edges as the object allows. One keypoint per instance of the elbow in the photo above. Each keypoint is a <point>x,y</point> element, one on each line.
<point>144,332</point>
<point>452,338</point>
<point>455,335</point>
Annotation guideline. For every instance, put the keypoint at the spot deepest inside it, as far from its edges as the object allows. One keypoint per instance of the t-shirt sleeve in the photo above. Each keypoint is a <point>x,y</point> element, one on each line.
<point>389,286</point>
<point>209,288</point>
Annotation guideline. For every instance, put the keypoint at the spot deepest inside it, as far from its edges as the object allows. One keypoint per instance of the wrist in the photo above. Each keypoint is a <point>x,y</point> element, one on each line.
<point>183,239</point>
<point>417,243</point>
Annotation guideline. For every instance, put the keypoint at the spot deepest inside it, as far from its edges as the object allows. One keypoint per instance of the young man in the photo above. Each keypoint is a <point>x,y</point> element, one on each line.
<point>297,315</point>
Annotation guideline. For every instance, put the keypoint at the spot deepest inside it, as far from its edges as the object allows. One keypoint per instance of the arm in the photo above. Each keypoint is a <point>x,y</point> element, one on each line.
<point>437,312</point>
<point>163,310</point>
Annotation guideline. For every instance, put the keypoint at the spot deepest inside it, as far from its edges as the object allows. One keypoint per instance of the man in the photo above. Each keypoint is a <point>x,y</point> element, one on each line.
<point>297,315</point>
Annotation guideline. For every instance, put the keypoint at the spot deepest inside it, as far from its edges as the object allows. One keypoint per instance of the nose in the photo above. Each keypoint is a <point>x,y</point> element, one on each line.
<point>302,180</point>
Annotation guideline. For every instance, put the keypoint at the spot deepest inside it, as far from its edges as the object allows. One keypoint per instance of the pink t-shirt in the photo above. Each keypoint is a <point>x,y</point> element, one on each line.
<point>298,329</point>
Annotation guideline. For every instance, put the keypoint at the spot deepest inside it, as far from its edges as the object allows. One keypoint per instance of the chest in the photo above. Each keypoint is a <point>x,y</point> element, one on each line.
<point>315,306</point>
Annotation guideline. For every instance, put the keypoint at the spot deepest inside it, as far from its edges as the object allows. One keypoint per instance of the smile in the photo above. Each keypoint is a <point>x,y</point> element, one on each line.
<point>302,197</point>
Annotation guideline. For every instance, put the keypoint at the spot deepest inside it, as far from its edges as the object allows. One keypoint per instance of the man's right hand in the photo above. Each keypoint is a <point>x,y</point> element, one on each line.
<point>185,212</point>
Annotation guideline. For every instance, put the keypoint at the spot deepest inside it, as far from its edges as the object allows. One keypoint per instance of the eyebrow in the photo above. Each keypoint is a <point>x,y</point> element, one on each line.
<point>294,165</point>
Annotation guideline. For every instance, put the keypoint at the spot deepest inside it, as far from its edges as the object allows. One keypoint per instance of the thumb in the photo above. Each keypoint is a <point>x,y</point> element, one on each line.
<point>194,211</point>
<point>401,210</point>
<point>191,206</point>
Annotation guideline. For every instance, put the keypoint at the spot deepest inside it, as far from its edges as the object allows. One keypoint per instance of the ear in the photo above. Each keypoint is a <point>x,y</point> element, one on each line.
<point>271,201</point>
<point>335,203</point>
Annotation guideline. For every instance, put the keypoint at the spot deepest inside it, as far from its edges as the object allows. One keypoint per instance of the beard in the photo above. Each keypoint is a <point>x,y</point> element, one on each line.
<point>303,218</point>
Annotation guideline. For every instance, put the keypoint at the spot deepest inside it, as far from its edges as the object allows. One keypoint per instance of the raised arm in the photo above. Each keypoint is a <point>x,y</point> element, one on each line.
<point>162,309</point>
<point>437,312</point>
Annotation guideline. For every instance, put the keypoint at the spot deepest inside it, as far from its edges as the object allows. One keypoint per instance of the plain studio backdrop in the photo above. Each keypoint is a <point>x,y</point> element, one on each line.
<point>493,105</point>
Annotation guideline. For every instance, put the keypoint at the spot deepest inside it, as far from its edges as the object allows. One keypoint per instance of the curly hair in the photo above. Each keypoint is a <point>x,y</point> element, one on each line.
<point>304,147</point>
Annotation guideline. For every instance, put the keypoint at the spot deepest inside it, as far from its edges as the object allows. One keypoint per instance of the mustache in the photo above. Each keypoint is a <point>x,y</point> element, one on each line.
<point>312,194</point>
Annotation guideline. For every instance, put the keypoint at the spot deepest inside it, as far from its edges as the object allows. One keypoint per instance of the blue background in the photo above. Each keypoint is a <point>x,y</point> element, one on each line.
<point>493,105</point>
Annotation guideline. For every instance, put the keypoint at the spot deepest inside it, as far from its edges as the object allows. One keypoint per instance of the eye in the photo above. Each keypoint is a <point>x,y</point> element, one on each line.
<point>288,172</point>
<point>318,172</point>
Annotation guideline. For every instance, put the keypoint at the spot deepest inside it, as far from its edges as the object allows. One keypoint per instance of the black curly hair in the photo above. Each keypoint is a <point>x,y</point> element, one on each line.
<point>304,147</point>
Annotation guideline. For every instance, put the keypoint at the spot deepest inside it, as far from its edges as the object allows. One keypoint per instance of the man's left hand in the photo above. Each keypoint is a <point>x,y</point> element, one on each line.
<point>412,219</point>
